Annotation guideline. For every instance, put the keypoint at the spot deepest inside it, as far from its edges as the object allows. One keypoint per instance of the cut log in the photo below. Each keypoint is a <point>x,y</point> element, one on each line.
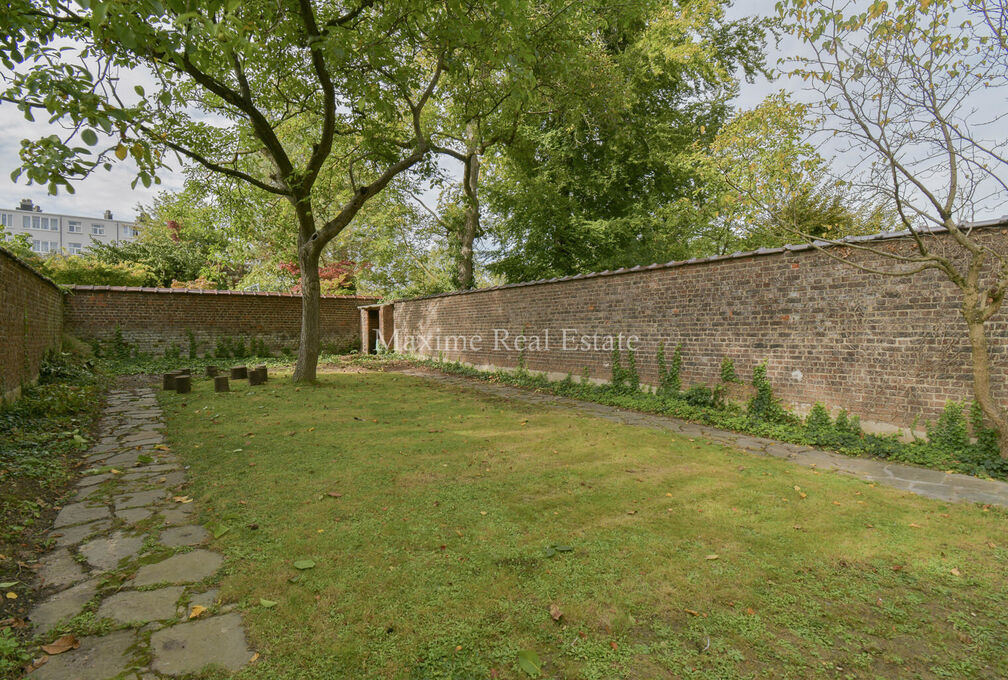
<point>168,381</point>
<point>220,384</point>
<point>257,376</point>
<point>183,384</point>
<point>212,371</point>
<point>239,372</point>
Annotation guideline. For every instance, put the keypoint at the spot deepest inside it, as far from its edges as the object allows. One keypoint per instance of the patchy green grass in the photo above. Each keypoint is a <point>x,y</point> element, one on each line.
<point>432,516</point>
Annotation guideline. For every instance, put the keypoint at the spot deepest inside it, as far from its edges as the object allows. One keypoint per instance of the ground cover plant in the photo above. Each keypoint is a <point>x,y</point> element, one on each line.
<point>377,525</point>
<point>959,441</point>
<point>42,436</point>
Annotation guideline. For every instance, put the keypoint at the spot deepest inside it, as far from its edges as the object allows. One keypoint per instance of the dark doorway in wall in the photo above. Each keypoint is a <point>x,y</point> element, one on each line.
<point>373,320</point>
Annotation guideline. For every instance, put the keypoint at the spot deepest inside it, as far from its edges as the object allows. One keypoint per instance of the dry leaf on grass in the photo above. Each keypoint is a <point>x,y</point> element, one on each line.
<point>196,611</point>
<point>555,612</point>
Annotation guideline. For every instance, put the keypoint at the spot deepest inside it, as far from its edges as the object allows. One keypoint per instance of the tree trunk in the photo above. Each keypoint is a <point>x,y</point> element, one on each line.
<point>470,229</point>
<point>982,380</point>
<point>308,261</point>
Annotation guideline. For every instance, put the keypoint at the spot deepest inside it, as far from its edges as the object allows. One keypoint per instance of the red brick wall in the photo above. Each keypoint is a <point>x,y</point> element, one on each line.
<point>31,322</point>
<point>155,318</point>
<point>890,349</point>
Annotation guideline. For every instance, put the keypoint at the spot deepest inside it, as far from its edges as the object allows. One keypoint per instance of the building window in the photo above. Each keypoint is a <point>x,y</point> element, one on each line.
<point>98,229</point>
<point>53,224</point>
<point>6,220</point>
<point>74,227</point>
<point>128,231</point>
<point>37,222</point>
<point>75,249</point>
<point>26,222</point>
<point>44,246</point>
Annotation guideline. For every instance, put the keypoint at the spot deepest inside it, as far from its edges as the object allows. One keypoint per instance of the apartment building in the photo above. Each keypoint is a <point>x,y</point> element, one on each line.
<point>68,234</point>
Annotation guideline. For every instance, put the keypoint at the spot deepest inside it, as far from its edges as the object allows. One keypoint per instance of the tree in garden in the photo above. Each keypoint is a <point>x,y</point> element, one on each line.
<point>596,180</point>
<point>489,99</point>
<point>901,83</point>
<point>764,182</point>
<point>233,77</point>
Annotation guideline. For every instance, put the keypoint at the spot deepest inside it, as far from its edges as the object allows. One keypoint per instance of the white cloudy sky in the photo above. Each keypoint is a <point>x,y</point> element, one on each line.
<point>111,190</point>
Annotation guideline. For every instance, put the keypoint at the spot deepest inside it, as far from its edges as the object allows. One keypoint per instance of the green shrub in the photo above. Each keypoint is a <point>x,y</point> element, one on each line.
<point>193,346</point>
<point>631,376</point>
<point>669,381</point>
<point>223,348</point>
<point>728,374</point>
<point>950,431</point>
<point>764,405</point>
<point>86,270</point>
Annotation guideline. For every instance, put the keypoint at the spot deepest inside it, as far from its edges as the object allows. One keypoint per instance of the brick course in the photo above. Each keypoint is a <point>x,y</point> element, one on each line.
<point>890,349</point>
<point>155,318</point>
<point>31,322</point>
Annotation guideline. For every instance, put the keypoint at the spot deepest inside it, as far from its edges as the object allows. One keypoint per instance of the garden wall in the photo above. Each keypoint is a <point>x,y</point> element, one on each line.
<point>156,319</point>
<point>31,323</point>
<point>890,349</point>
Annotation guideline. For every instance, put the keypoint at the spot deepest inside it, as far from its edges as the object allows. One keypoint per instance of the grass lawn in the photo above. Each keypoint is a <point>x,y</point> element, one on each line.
<point>429,513</point>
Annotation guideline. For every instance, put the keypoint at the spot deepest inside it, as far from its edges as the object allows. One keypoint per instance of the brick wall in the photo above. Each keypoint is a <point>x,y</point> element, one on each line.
<point>890,349</point>
<point>31,322</point>
<point>155,318</point>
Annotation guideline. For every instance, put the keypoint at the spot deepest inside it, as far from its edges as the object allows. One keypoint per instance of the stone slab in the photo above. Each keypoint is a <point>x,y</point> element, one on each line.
<point>62,605</point>
<point>177,514</point>
<point>106,552</point>
<point>134,515</point>
<point>78,513</point>
<point>97,658</point>
<point>188,567</point>
<point>59,569</point>
<point>189,534</point>
<point>192,646</point>
<point>77,533</point>
<point>139,499</point>
<point>141,605</point>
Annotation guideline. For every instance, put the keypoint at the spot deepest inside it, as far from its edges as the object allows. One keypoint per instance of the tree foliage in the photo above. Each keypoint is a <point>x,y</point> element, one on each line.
<point>597,179</point>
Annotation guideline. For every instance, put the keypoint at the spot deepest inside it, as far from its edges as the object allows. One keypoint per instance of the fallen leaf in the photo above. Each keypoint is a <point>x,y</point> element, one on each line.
<point>712,557</point>
<point>613,644</point>
<point>555,612</point>
<point>255,657</point>
<point>12,595</point>
<point>692,612</point>
<point>304,564</point>
<point>955,571</point>
<point>182,499</point>
<point>267,604</point>
<point>8,584</point>
<point>221,530</point>
<point>196,611</point>
<point>915,525</point>
<point>529,662</point>
<point>334,494</point>
<point>62,644</point>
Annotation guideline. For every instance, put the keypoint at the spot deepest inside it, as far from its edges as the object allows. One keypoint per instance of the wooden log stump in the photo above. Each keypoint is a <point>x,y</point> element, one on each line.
<point>220,384</point>
<point>168,381</point>
<point>183,384</point>
<point>257,376</point>
<point>212,371</point>
<point>265,372</point>
<point>239,372</point>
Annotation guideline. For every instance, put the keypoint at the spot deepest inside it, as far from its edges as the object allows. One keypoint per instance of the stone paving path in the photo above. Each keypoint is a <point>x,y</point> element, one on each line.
<point>128,565</point>
<point>922,481</point>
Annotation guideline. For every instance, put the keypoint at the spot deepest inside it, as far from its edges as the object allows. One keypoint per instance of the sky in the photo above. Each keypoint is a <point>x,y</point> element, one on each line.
<point>111,190</point>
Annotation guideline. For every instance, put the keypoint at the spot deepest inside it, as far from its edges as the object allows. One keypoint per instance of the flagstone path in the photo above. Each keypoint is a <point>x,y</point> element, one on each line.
<point>936,484</point>
<point>129,566</point>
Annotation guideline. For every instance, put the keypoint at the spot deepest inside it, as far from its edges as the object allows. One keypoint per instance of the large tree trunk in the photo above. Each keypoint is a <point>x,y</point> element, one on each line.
<point>308,262</point>
<point>471,227</point>
<point>982,379</point>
